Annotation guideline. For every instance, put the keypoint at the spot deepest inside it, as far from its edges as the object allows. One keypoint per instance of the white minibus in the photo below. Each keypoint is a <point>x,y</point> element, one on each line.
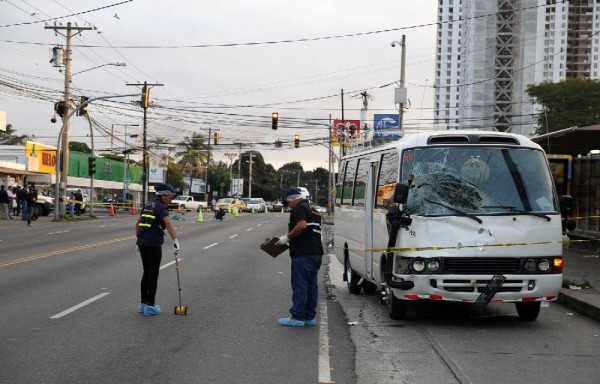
<point>469,216</point>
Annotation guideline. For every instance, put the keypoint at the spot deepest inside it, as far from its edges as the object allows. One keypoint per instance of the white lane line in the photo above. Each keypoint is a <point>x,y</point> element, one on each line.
<point>324,365</point>
<point>249,229</point>
<point>258,225</point>
<point>231,237</point>
<point>168,264</point>
<point>80,305</point>
<point>54,233</point>
<point>210,246</point>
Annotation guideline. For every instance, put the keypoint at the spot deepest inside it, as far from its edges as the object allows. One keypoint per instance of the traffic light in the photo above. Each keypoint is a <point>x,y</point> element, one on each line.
<point>274,120</point>
<point>91,165</point>
<point>297,141</point>
<point>216,138</point>
<point>145,97</point>
<point>82,111</point>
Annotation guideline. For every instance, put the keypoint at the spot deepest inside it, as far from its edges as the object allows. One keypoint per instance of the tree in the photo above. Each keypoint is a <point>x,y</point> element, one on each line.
<point>573,102</point>
<point>158,141</point>
<point>9,137</point>
<point>218,177</point>
<point>289,174</point>
<point>79,147</point>
<point>192,156</point>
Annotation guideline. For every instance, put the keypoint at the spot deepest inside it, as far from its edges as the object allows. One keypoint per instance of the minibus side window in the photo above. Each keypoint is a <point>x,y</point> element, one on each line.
<point>360,185</point>
<point>339,183</point>
<point>348,183</point>
<point>388,176</point>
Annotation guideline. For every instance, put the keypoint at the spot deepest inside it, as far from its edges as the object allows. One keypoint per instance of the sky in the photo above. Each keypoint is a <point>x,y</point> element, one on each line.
<point>223,64</point>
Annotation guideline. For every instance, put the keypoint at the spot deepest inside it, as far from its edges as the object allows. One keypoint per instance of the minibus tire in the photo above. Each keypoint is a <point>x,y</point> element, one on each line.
<point>369,288</point>
<point>396,307</point>
<point>352,279</point>
<point>528,311</point>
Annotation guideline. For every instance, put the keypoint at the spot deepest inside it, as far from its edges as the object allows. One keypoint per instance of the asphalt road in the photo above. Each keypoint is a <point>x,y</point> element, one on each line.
<point>69,294</point>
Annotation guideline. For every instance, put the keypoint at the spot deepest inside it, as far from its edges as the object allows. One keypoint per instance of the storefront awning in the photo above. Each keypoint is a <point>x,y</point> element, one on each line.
<point>18,172</point>
<point>570,141</point>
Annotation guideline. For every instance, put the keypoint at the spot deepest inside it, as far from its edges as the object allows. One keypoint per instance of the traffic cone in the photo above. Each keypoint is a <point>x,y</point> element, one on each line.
<point>235,212</point>
<point>111,211</point>
<point>281,209</point>
<point>200,219</point>
<point>252,210</point>
<point>133,212</point>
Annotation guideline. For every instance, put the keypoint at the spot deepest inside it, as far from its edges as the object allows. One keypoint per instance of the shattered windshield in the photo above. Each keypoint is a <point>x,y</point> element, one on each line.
<point>477,180</point>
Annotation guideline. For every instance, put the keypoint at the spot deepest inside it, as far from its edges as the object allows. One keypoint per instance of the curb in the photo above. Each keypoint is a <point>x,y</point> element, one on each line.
<point>581,302</point>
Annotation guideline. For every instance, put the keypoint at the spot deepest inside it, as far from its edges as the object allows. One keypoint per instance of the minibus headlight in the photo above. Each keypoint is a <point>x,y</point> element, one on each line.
<point>530,265</point>
<point>418,265</point>
<point>544,265</point>
<point>433,265</point>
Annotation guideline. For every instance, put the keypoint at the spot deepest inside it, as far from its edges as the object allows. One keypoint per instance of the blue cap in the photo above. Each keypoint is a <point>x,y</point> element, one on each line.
<point>290,192</point>
<point>165,189</point>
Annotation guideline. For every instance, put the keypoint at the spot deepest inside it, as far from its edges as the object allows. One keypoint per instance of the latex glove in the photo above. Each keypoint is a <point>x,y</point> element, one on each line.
<point>283,240</point>
<point>137,250</point>
<point>176,247</point>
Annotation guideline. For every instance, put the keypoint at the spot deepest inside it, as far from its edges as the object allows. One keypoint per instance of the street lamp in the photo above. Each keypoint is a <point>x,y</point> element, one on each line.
<point>400,93</point>
<point>98,66</point>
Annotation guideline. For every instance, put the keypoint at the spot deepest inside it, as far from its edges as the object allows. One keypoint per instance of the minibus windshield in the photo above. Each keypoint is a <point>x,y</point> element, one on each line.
<point>477,180</point>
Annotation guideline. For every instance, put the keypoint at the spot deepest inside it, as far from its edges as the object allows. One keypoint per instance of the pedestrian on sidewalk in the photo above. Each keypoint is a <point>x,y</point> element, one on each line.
<point>306,252</point>
<point>3,203</point>
<point>31,199</point>
<point>149,230</point>
<point>22,193</point>
<point>17,191</point>
<point>11,201</point>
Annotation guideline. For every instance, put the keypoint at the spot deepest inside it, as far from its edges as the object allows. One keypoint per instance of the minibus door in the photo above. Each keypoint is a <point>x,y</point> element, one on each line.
<point>371,195</point>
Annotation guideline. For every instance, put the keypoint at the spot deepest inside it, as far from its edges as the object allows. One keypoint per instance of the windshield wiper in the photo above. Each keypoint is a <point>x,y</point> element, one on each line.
<point>515,209</point>
<point>462,213</point>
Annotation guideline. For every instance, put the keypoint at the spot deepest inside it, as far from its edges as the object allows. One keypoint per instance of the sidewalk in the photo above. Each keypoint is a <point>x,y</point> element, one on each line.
<point>582,269</point>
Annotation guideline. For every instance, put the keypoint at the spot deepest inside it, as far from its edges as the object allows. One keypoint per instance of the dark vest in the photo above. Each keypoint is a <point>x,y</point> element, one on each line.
<point>309,242</point>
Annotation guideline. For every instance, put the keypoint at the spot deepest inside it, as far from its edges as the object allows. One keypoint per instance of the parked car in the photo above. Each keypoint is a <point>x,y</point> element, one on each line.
<point>269,206</point>
<point>43,205</point>
<point>229,203</point>
<point>256,203</point>
<point>277,206</point>
<point>187,203</point>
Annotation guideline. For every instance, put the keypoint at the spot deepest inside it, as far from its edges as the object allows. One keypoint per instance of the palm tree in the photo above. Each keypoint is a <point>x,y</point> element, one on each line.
<point>192,153</point>
<point>9,137</point>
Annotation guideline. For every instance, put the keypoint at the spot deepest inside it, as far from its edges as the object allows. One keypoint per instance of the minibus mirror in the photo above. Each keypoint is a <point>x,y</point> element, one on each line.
<point>566,205</point>
<point>401,193</point>
<point>569,225</point>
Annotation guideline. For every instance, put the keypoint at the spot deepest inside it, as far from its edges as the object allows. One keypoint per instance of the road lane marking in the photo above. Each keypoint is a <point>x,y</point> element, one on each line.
<point>76,307</point>
<point>55,233</point>
<point>231,237</point>
<point>249,229</point>
<point>258,225</point>
<point>62,251</point>
<point>169,264</point>
<point>324,361</point>
<point>210,246</point>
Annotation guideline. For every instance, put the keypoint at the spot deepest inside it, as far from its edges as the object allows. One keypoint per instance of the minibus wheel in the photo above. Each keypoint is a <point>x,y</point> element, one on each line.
<point>528,311</point>
<point>352,279</point>
<point>369,287</point>
<point>396,307</point>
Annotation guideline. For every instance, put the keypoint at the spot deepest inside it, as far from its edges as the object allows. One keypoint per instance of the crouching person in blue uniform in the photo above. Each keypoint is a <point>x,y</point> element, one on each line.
<point>306,252</point>
<point>150,232</point>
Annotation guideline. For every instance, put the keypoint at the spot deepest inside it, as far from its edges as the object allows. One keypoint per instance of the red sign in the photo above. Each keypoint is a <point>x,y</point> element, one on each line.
<point>344,131</point>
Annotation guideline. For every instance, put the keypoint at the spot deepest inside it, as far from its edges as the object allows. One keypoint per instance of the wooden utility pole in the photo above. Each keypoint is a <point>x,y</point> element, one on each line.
<point>67,106</point>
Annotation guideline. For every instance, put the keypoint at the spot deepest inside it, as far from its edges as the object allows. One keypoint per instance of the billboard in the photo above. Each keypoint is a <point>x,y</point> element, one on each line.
<point>159,160</point>
<point>40,157</point>
<point>344,131</point>
<point>385,125</point>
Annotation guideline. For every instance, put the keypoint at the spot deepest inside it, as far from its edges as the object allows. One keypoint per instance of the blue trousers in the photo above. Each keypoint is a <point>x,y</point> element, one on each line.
<point>305,289</point>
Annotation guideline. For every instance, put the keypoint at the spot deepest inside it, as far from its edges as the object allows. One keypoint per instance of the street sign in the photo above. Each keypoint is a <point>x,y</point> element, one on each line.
<point>126,179</point>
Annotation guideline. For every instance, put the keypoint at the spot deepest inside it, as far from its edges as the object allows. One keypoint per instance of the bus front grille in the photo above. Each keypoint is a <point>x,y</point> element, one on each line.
<point>481,265</point>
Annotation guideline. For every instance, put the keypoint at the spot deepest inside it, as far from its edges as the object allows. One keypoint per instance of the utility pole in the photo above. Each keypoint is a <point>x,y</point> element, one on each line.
<point>67,101</point>
<point>329,152</point>
<point>237,190</point>
<point>231,156</point>
<point>145,103</point>
<point>400,93</point>
<point>206,191</point>
<point>250,179</point>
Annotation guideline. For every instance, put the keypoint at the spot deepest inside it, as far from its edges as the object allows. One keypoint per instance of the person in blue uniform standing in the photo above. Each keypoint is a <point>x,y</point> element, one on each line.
<point>150,232</point>
<point>306,252</point>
